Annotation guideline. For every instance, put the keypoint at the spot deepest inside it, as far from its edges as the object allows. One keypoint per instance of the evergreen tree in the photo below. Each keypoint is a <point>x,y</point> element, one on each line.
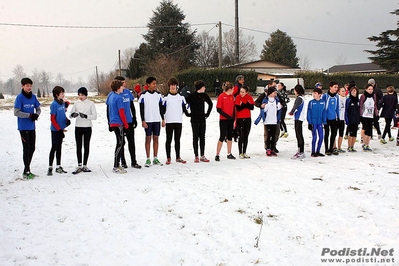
<point>280,48</point>
<point>387,56</point>
<point>1,95</point>
<point>169,35</point>
<point>39,95</point>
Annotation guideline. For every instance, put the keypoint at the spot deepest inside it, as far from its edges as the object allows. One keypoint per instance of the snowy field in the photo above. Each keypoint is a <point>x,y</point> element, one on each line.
<point>195,214</point>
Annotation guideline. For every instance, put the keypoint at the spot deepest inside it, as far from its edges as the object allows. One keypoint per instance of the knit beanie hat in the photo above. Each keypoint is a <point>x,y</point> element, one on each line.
<point>199,85</point>
<point>82,90</point>
<point>371,81</point>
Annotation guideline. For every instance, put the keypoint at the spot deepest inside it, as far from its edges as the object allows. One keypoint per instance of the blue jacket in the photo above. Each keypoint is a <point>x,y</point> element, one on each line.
<point>316,112</point>
<point>262,114</point>
<point>332,106</point>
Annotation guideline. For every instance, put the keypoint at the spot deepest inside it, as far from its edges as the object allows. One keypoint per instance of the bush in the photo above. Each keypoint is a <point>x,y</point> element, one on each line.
<point>210,75</point>
<point>1,95</point>
<point>382,80</point>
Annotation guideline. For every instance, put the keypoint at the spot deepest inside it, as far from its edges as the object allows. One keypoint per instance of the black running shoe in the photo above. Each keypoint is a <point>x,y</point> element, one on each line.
<point>135,165</point>
<point>231,156</point>
<point>217,158</point>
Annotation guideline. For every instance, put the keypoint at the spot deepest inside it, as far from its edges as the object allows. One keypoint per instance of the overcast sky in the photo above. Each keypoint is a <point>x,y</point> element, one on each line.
<point>76,52</point>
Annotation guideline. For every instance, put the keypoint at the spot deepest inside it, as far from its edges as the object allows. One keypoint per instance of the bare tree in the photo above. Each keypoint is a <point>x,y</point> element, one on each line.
<point>163,68</point>
<point>19,74</point>
<point>126,56</point>
<point>247,48</point>
<point>206,54</point>
<point>305,62</point>
<point>45,80</point>
<point>340,60</point>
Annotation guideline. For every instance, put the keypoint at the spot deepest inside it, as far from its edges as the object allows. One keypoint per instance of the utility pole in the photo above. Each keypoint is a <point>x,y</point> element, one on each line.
<point>220,45</point>
<point>98,85</point>
<point>237,32</point>
<point>119,58</point>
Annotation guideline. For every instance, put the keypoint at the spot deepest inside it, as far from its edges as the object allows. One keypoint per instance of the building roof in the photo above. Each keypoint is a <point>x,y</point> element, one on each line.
<point>357,68</point>
<point>262,64</point>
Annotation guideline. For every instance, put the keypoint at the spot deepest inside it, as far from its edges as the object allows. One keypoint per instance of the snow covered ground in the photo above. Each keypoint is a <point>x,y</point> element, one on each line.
<point>195,214</point>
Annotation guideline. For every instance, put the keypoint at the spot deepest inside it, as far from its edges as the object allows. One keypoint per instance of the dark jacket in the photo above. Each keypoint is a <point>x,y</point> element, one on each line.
<point>352,111</point>
<point>388,105</point>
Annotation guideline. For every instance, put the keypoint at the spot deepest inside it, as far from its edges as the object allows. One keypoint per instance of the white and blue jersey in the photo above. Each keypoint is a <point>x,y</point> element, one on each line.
<point>57,109</point>
<point>332,106</point>
<point>316,112</point>
<point>298,110</point>
<point>28,106</point>
<point>127,97</point>
<point>115,103</point>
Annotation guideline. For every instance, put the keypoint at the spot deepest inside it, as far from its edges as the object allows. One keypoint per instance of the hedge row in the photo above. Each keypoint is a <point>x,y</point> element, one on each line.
<point>382,80</point>
<point>210,75</point>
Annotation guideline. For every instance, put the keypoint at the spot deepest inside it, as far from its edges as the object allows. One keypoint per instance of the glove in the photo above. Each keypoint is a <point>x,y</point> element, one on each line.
<point>61,131</point>
<point>110,129</point>
<point>66,104</point>
<point>135,122</point>
<point>310,127</point>
<point>82,115</point>
<point>74,115</point>
<point>68,122</point>
<point>34,117</point>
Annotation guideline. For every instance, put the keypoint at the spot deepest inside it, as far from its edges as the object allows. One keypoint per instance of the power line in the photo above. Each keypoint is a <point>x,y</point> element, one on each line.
<point>79,71</point>
<point>93,27</point>
<point>306,39</point>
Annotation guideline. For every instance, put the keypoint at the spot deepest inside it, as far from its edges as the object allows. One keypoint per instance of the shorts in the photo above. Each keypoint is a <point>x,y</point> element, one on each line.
<point>226,129</point>
<point>154,128</point>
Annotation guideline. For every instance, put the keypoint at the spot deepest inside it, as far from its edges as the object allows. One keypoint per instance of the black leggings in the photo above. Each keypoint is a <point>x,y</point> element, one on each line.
<point>170,128</point>
<point>131,145</point>
<point>299,135</point>
<point>330,129</point>
<point>28,138</point>
<point>120,144</point>
<point>82,137</point>
<point>387,129</point>
<point>271,137</point>
<point>243,126</point>
<point>367,126</point>
<point>198,129</point>
<point>226,130</point>
<point>283,126</point>
<point>56,145</point>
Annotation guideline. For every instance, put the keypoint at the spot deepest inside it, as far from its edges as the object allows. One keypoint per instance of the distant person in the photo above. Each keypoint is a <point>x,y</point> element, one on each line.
<point>237,86</point>
<point>117,122</point>
<point>152,118</point>
<point>378,94</point>
<point>59,122</point>
<point>216,85</point>
<point>184,91</point>
<point>272,112</point>
<point>368,109</point>
<point>388,105</point>
<point>27,110</point>
<point>174,105</point>
<point>84,111</point>
<point>225,107</point>
<point>244,104</point>
<point>137,90</point>
<point>130,114</point>
<point>318,85</point>
<point>316,117</point>
<point>196,102</point>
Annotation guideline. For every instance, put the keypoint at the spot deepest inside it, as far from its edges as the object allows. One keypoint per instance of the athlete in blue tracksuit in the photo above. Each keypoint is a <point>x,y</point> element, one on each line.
<point>332,114</point>
<point>316,117</point>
